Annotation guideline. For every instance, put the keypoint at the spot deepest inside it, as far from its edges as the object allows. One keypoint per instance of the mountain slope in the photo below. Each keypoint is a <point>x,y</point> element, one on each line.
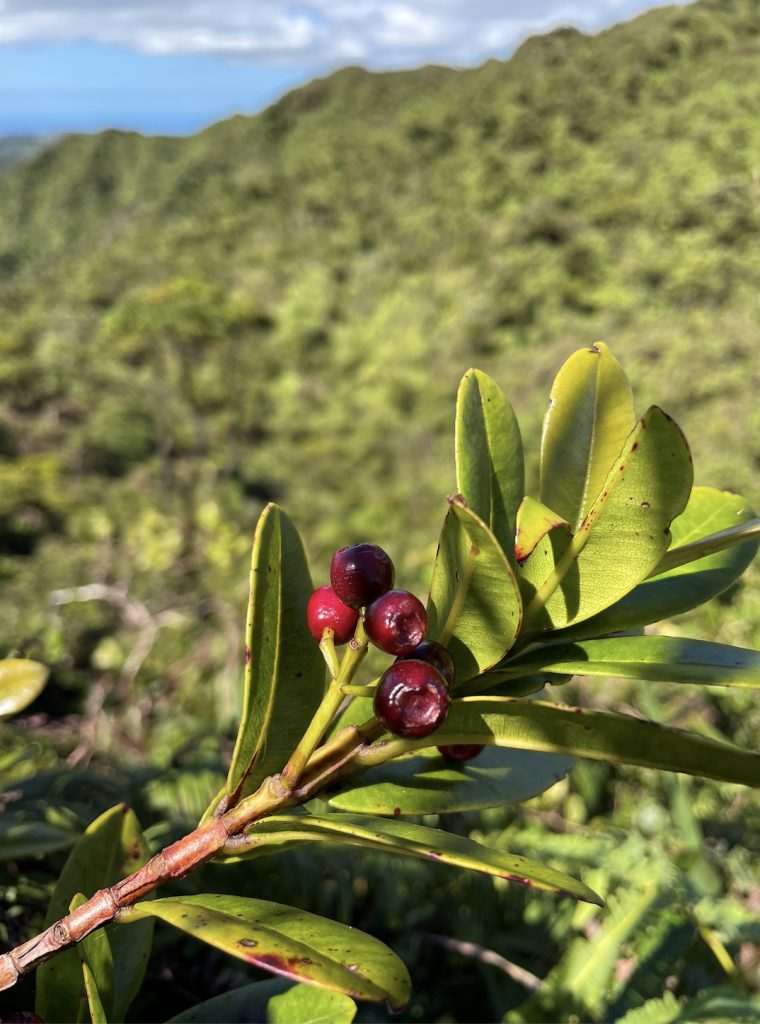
<point>283,305</point>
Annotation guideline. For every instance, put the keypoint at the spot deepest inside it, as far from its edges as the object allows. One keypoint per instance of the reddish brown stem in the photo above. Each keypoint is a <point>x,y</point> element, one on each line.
<point>331,762</point>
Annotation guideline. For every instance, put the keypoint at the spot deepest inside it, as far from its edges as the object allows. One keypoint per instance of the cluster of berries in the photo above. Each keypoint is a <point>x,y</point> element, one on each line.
<point>413,696</point>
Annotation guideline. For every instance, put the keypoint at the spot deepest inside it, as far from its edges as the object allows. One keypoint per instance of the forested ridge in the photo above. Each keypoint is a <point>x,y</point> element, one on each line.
<point>281,307</point>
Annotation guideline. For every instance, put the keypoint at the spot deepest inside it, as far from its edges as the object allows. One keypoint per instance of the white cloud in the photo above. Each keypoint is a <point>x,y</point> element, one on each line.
<point>378,33</point>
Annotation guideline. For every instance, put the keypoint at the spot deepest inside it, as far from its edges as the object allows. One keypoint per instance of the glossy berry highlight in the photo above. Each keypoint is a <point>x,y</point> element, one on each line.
<point>360,574</point>
<point>325,610</point>
<point>396,622</point>
<point>461,751</point>
<point>411,699</point>
<point>437,656</point>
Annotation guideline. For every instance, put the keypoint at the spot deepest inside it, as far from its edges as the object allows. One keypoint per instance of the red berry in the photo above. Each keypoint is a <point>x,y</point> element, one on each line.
<point>396,622</point>
<point>412,699</point>
<point>361,573</point>
<point>436,655</point>
<point>326,611</point>
<point>461,751</point>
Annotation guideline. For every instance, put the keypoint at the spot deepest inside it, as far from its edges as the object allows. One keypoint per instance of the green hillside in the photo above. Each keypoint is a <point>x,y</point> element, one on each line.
<point>282,306</point>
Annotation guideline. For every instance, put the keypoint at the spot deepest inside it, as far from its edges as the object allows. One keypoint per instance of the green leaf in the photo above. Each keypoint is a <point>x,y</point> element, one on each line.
<point>249,1002</point>
<point>304,1004</point>
<point>741,533</point>
<point>655,1011</point>
<point>396,836</point>
<point>131,945</point>
<point>21,682</point>
<point>474,607</point>
<point>688,585</point>
<point>111,848</point>
<point>656,658</point>
<point>489,456</point>
<point>721,1005</point>
<point>579,983</point>
<point>285,673</point>
<point>590,415</point>
<point>534,521</point>
<point>289,942</point>
<point>599,735</point>
<point>97,967</point>
<point>426,783</point>
<point>27,840</point>
<point>624,535</point>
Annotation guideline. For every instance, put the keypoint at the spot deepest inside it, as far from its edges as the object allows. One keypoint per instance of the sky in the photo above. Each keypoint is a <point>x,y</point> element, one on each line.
<point>174,66</point>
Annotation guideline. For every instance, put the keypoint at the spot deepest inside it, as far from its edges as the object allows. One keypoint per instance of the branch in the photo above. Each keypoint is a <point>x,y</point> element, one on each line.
<point>333,760</point>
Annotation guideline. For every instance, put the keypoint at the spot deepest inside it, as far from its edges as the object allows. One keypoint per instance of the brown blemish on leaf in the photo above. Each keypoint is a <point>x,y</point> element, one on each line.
<point>248,943</point>
<point>247,654</point>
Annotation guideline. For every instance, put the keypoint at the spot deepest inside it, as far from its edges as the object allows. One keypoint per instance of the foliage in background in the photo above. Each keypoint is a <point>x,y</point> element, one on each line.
<point>281,307</point>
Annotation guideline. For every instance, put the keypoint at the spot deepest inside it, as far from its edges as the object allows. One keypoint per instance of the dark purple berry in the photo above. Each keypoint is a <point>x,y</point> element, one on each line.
<point>360,574</point>
<point>23,1017</point>
<point>412,699</point>
<point>326,611</point>
<point>396,622</point>
<point>461,751</point>
<point>436,655</point>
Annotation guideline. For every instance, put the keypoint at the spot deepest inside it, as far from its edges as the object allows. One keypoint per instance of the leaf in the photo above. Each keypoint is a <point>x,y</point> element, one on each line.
<point>111,848</point>
<point>474,607</point>
<point>285,673</point>
<point>534,521</point>
<point>489,456</point>
<point>29,839</point>
<point>426,783</point>
<point>656,658</point>
<point>396,836</point>
<point>665,1010</point>
<point>21,682</point>
<point>288,942</point>
<point>624,535</point>
<point>304,1004</point>
<point>578,984</point>
<point>131,945</point>
<point>689,585</point>
<point>721,1005</point>
<point>599,735</point>
<point>97,967</point>
<point>590,415</point>
<point>249,1002</point>
<point>733,536</point>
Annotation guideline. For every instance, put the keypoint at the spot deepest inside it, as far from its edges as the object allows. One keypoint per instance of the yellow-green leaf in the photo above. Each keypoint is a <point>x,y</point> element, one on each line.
<point>599,735</point>
<point>474,607</point>
<point>111,848</point>
<point>489,456</point>
<point>590,415</point>
<point>687,585</point>
<point>624,535</point>
<point>97,967</point>
<point>534,521</point>
<point>21,682</point>
<point>655,658</point>
<point>288,942</point>
<point>284,673</point>
<point>426,783</point>
<point>305,1004</point>
<point>397,836</point>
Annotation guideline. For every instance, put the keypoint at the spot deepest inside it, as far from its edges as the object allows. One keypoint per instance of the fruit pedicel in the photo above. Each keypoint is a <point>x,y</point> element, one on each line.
<point>413,696</point>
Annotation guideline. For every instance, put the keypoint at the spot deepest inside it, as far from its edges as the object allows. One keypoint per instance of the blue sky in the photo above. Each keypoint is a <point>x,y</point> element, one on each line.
<point>174,66</point>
